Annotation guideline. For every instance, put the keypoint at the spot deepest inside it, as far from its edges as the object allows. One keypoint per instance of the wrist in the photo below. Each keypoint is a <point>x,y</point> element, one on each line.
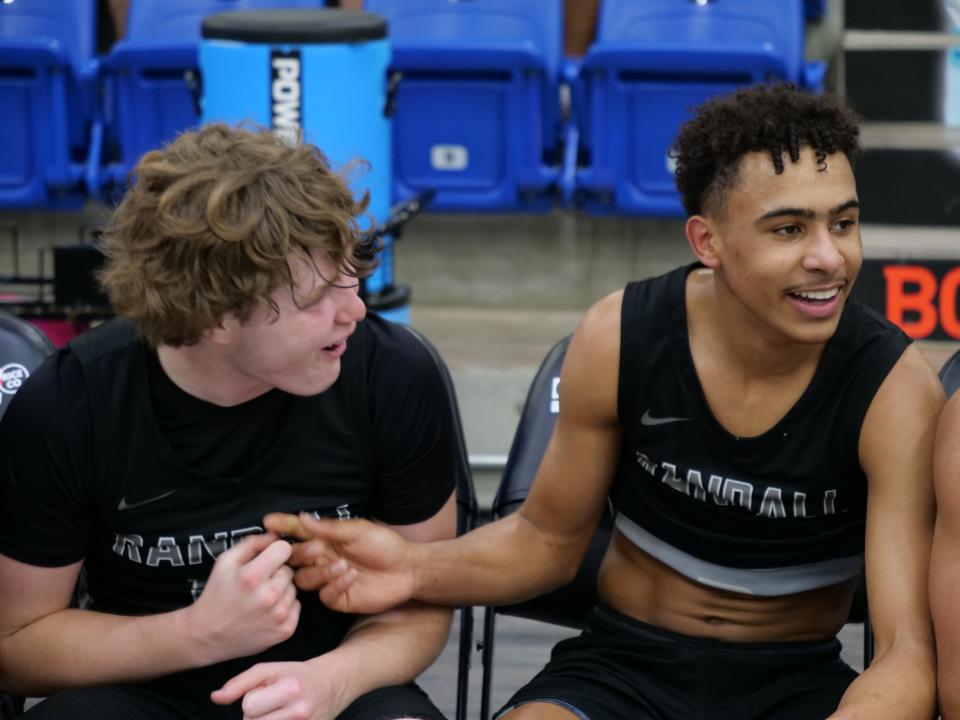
<point>420,565</point>
<point>190,634</point>
<point>336,673</point>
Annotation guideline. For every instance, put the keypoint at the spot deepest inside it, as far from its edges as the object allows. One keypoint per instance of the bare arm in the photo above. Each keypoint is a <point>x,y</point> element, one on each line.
<point>945,560</point>
<point>249,604</point>
<point>525,554</point>
<point>390,648</point>
<point>896,451</point>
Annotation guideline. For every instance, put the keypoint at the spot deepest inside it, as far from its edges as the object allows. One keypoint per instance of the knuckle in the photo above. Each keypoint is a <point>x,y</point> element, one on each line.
<point>269,597</point>
<point>249,579</point>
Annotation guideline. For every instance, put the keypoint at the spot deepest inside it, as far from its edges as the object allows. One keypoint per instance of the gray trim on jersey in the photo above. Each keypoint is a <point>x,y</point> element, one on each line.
<point>767,582</point>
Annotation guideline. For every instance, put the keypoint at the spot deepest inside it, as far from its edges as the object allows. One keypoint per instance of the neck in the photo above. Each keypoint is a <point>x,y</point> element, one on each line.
<point>738,337</point>
<point>205,371</point>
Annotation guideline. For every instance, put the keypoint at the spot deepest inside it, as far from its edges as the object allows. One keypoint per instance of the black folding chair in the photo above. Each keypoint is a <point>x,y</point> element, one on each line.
<point>950,374</point>
<point>22,348</point>
<point>569,604</point>
<point>466,518</point>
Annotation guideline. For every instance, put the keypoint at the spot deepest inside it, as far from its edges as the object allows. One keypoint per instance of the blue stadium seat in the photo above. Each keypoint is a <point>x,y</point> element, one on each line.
<point>651,63</point>
<point>477,111</point>
<point>146,75</point>
<point>47,70</point>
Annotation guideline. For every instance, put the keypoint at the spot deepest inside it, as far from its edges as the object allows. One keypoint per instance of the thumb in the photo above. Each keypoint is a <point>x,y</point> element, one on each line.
<point>239,685</point>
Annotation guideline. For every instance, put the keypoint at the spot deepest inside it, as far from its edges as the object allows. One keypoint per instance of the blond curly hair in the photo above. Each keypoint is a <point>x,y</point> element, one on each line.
<point>210,222</point>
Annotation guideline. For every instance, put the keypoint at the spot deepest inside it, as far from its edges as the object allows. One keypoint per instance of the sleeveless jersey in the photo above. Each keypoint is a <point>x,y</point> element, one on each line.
<point>774,514</point>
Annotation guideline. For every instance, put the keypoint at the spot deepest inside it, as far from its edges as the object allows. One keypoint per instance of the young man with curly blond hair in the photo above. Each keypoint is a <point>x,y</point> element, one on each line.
<point>761,437</point>
<point>240,379</point>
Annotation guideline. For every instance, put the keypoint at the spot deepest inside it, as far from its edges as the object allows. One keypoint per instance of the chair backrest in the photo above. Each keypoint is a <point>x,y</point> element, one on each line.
<point>950,374</point>
<point>536,24</point>
<point>168,20</point>
<point>154,78</point>
<point>22,348</point>
<point>71,27</point>
<point>569,604</point>
<point>775,27</point>
<point>466,515</point>
<point>47,52</point>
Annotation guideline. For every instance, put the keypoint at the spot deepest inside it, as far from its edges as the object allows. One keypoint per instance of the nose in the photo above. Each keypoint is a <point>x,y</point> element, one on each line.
<point>351,309</point>
<point>822,254</point>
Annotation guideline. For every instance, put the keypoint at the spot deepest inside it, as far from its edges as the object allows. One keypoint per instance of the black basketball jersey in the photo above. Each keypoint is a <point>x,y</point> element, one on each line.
<point>772,514</point>
<point>102,483</point>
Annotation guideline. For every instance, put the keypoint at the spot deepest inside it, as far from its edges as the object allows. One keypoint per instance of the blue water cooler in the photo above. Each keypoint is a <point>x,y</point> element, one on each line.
<point>322,72</point>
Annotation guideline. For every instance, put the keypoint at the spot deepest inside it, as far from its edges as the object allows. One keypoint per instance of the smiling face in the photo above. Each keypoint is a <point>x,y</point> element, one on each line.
<point>297,346</point>
<point>785,247</point>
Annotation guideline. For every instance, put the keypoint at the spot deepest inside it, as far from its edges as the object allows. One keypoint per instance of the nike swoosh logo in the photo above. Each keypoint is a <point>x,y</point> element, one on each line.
<point>124,505</point>
<point>649,420</point>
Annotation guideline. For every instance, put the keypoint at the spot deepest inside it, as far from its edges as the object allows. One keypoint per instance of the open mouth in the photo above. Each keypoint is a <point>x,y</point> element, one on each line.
<point>818,297</point>
<point>337,347</point>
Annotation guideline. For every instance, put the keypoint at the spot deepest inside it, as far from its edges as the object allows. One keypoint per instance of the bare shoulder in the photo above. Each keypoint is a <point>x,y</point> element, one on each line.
<point>591,370</point>
<point>950,421</point>
<point>598,334</point>
<point>911,386</point>
<point>903,416</point>
<point>947,453</point>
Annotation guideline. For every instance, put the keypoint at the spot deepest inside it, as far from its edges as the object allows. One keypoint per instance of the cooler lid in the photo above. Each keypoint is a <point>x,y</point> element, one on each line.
<point>295,26</point>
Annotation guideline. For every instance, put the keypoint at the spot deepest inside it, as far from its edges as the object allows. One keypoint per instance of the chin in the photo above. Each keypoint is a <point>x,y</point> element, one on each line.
<point>816,335</point>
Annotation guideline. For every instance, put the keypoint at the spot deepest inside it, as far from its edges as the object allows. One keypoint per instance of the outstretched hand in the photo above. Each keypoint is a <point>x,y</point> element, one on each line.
<point>357,566</point>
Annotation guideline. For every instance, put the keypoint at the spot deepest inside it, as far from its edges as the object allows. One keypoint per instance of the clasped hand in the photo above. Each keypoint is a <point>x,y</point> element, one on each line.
<point>357,566</point>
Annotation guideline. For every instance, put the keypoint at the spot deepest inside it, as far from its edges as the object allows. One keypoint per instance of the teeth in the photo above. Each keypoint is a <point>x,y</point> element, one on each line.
<point>818,294</point>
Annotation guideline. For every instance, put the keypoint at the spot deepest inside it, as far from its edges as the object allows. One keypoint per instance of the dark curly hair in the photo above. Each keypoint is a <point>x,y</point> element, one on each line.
<point>777,119</point>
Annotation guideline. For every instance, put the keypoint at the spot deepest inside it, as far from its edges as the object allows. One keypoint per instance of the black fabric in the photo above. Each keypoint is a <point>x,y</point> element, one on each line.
<point>147,702</point>
<point>88,473</point>
<point>622,669</point>
<point>795,494</point>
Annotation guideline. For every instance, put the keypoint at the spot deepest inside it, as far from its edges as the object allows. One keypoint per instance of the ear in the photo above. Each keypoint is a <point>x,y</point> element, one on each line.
<point>703,239</point>
<point>223,332</point>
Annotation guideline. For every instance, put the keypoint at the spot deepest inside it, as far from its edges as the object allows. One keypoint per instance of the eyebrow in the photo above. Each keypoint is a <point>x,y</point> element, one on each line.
<point>806,212</point>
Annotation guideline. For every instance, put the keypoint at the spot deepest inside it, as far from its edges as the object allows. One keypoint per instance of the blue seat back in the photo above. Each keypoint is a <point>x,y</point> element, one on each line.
<point>477,116</point>
<point>46,90</point>
<point>152,99</point>
<point>22,348</point>
<point>652,63</point>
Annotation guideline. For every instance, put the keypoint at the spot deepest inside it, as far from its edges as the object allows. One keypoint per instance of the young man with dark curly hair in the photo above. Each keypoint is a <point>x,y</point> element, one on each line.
<point>242,379</point>
<point>761,436</point>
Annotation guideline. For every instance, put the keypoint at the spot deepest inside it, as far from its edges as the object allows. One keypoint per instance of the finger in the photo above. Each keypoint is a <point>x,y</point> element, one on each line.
<point>338,531</point>
<point>282,577</point>
<point>285,525</point>
<point>293,618</point>
<point>312,552</point>
<point>249,547</point>
<point>269,697</point>
<point>314,577</point>
<point>273,557</point>
<point>335,593</point>
<point>282,607</point>
<point>239,685</point>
